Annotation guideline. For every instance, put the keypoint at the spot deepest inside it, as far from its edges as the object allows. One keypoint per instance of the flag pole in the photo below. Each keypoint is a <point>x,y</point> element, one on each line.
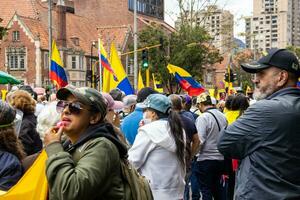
<point>100,64</point>
<point>135,60</point>
<point>50,37</point>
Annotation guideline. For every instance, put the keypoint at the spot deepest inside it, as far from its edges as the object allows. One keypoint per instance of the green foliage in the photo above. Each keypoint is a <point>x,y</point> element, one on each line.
<point>157,58</point>
<point>243,78</point>
<point>3,32</point>
<point>187,48</point>
<point>295,49</point>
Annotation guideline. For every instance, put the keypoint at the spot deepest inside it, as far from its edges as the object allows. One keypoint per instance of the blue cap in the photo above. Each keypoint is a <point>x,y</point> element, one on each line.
<point>158,102</point>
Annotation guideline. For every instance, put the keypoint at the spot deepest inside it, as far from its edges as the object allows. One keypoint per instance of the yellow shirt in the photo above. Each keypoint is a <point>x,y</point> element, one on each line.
<point>232,115</point>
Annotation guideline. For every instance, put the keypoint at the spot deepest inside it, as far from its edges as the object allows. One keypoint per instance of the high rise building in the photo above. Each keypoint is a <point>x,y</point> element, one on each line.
<point>219,24</point>
<point>296,23</point>
<point>274,24</point>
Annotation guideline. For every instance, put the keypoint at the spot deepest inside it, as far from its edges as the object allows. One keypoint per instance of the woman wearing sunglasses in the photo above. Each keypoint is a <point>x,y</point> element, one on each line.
<point>87,165</point>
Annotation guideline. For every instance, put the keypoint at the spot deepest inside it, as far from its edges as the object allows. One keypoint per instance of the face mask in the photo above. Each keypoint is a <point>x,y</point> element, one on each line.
<point>145,120</point>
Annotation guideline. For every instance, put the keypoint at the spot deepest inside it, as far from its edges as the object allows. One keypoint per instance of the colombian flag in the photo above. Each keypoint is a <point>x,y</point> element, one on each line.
<point>57,72</point>
<point>118,79</point>
<point>298,84</point>
<point>186,81</point>
<point>104,61</point>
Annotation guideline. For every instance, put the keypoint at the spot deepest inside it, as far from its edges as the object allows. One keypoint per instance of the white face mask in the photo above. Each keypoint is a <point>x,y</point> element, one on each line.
<point>145,119</point>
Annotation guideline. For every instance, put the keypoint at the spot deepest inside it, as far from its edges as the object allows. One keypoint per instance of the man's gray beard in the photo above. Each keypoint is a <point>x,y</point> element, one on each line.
<point>258,95</point>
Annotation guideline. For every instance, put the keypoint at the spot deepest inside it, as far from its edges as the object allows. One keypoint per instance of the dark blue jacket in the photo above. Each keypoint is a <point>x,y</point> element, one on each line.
<point>266,138</point>
<point>10,170</point>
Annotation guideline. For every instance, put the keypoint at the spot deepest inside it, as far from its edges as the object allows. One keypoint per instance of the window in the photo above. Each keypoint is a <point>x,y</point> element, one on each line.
<point>81,62</point>
<point>46,60</point>
<point>16,36</point>
<point>73,83</point>
<point>153,8</point>
<point>74,63</point>
<point>16,58</point>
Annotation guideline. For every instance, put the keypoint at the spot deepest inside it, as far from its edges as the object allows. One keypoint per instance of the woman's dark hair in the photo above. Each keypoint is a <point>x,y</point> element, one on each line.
<point>240,102</point>
<point>8,138</point>
<point>228,102</point>
<point>176,128</point>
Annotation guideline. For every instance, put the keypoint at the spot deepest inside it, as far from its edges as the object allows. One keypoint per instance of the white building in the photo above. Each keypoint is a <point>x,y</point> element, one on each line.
<point>219,24</point>
<point>275,23</point>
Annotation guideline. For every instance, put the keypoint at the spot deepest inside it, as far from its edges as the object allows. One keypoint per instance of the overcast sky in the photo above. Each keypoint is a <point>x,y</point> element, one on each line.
<point>238,8</point>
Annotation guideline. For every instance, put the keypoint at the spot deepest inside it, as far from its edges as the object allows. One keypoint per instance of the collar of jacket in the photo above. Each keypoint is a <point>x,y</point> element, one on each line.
<point>99,130</point>
<point>284,91</point>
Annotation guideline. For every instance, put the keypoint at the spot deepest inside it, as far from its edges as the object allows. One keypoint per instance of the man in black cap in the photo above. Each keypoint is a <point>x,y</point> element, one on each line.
<point>266,138</point>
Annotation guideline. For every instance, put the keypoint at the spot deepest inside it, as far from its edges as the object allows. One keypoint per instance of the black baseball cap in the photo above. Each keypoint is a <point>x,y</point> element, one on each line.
<point>144,93</point>
<point>280,58</point>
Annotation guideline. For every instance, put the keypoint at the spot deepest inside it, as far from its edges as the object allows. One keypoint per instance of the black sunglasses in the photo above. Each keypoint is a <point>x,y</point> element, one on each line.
<point>74,107</point>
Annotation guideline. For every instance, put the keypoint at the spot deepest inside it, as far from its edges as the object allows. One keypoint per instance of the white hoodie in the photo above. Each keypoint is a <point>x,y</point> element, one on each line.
<point>153,153</point>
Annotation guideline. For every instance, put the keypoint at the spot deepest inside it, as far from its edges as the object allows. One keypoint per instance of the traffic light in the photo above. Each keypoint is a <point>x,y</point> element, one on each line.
<point>145,63</point>
<point>232,78</point>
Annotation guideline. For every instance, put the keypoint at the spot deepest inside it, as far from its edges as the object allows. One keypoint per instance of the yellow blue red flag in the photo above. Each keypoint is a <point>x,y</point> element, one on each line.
<point>105,62</point>
<point>57,73</point>
<point>185,80</point>
<point>121,81</point>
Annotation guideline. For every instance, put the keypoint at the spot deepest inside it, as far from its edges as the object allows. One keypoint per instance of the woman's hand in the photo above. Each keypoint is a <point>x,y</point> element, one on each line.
<point>53,135</point>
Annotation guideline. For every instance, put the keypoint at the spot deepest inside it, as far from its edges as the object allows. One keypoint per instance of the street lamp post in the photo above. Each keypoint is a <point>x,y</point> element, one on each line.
<point>91,63</point>
<point>90,73</point>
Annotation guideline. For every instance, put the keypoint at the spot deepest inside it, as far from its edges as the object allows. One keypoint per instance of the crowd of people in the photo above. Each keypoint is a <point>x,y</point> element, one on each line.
<point>186,147</point>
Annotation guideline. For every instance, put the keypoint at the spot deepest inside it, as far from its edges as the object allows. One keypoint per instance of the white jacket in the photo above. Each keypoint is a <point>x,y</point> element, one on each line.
<point>153,153</point>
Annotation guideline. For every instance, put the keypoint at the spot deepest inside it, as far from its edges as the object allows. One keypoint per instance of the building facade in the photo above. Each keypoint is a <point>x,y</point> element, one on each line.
<point>77,24</point>
<point>274,24</point>
<point>296,23</point>
<point>219,24</point>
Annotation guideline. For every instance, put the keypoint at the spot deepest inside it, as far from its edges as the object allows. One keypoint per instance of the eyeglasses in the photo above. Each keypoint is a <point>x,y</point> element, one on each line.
<point>74,107</point>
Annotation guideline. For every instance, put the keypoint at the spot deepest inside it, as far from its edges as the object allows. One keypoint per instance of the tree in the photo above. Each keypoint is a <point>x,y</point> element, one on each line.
<point>3,31</point>
<point>243,78</point>
<point>295,49</point>
<point>188,48</point>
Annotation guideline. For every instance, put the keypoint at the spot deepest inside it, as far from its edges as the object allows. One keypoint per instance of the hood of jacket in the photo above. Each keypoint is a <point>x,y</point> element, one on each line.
<point>159,133</point>
<point>99,130</point>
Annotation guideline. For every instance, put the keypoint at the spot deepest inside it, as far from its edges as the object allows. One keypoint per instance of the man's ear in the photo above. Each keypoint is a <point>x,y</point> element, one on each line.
<point>283,78</point>
<point>95,118</point>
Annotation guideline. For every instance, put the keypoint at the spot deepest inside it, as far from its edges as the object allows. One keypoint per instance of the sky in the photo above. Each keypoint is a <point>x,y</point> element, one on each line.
<point>238,8</point>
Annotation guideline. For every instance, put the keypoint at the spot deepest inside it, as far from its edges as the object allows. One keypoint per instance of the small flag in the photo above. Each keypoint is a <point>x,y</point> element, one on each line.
<point>57,72</point>
<point>157,85</point>
<point>140,81</point>
<point>186,81</point>
<point>117,79</point>
<point>104,61</point>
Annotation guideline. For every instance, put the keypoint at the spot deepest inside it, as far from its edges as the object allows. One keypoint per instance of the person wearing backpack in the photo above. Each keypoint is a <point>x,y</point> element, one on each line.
<point>210,162</point>
<point>158,151</point>
<point>87,165</point>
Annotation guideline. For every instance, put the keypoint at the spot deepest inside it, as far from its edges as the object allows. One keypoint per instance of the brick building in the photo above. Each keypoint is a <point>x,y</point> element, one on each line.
<point>24,50</point>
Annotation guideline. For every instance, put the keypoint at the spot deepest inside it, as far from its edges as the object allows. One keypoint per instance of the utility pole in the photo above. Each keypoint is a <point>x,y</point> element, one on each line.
<point>50,35</point>
<point>135,62</point>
